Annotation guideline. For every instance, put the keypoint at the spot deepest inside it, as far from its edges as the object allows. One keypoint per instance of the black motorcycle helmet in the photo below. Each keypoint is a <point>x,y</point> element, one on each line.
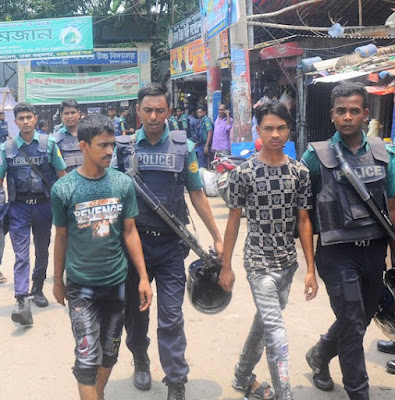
<point>203,290</point>
<point>385,315</point>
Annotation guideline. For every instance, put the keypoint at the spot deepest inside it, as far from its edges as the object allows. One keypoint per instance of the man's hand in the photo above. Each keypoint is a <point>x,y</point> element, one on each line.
<point>59,292</point>
<point>206,149</point>
<point>226,279</point>
<point>310,286</point>
<point>145,292</point>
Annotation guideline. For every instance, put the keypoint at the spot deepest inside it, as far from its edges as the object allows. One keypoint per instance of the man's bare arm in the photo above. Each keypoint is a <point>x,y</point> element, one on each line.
<point>135,251</point>
<point>305,230</point>
<point>202,206</point>
<point>59,289</point>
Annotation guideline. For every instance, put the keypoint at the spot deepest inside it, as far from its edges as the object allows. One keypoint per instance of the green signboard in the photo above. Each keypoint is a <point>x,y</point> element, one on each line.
<point>46,38</point>
<point>48,88</point>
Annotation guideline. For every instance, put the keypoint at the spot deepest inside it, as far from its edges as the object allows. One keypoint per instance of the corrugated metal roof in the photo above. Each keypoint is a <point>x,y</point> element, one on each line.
<point>340,77</point>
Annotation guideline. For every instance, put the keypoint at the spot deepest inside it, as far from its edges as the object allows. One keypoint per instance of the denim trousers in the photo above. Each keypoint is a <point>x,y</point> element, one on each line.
<point>270,291</point>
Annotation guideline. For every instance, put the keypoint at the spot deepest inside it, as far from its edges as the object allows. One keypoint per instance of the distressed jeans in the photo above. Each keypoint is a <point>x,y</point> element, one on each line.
<point>270,291</point>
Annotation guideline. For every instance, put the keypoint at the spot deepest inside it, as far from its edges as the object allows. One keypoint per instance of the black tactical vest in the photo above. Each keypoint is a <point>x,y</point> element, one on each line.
<point>22,182</point>
<point>163,169</point>
<point>69,147</point>
<point>342,215</point>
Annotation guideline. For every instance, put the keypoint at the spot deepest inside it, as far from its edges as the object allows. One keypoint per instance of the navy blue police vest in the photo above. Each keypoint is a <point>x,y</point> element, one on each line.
<point>342,215</point>
<point>3,131</point>
<point>22,182</point>
<point>163,169</point>
<point>69,147</point>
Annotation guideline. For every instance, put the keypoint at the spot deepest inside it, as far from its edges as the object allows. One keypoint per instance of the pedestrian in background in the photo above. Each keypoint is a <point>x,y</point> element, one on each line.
<point>3,212</point>
<point>112,114</point>
<point>222,127</point>
<point>32,163</point>
<point>3,128</point>
<point>43,127</point>
<point>94,209</point>
<point>204,136</point>
<point>275,191</point>
<point>352,245</point>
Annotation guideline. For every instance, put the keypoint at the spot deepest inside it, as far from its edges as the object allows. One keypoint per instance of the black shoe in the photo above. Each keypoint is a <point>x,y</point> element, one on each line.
<point>321,376</point>
<point>386,346</point>
<point>391,366</point>
<point>38,295</point>
<point>142,375</point>
<point>176,391</point>
<point>22,313</point>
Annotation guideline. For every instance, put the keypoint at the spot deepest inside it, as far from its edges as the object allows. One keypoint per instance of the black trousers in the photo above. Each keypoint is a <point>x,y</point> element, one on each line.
<point>353,277</point>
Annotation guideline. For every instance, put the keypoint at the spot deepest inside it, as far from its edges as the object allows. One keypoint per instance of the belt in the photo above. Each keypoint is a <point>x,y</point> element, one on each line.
<point>150,232</point>
<point>33,201</point>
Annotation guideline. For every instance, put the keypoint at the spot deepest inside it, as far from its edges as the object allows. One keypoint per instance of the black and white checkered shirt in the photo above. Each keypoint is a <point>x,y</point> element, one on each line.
<point>271,197</point>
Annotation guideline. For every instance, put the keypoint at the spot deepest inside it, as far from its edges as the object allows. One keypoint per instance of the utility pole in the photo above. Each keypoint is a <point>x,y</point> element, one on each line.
<point>241,83</point>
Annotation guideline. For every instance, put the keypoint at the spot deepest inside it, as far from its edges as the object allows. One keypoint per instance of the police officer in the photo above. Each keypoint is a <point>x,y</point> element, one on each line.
<point>204,136</point>
<point>168,164</point>
<point>352,246</point>
<point>182,119</point>
<point>3,128</point>
<point>66,137</point>
<point>111,110</point>
<point>32,163</point>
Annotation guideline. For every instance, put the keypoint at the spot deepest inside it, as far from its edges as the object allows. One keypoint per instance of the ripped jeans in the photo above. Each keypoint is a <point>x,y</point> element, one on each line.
<point>270,291</point>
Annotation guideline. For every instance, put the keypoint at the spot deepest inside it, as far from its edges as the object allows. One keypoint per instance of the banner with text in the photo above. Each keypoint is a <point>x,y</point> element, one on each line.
<point>47,88</point>
<point>217,15</point>
<point>46,38</point>
<point>188,60</point>
<point>186,31</point>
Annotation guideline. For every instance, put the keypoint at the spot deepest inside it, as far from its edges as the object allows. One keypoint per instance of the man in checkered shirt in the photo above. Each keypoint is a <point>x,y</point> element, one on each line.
<point>275,191</point>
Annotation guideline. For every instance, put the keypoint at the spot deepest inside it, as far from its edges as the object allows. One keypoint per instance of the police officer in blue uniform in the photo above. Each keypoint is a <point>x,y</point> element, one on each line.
<point>352,246</point>
<point>32,163</point>
<point>111,110</point>
<point>66,137</point>
<point>168,164</point>
<point>3,128</point>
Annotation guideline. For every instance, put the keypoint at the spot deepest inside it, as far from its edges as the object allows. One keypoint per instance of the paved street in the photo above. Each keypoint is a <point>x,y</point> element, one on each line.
<point>36,363</point>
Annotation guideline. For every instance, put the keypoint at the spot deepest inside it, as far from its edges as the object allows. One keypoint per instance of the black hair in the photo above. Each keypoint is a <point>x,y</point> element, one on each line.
<point>124,109</point>
<point>273,107</point>
<point>154,89</point>
<point>94,125</point>
<point>181,108</point>
<point>348,89</point>
<point>42,123</point>
<point>24,107</point>
<point>2,112</point>
<point>203,108</point>
<point>111,108</point>
<point>69,103</point>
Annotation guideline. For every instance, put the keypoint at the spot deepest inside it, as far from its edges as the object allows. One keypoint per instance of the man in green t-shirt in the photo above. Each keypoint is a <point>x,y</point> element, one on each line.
<point>93,211</point>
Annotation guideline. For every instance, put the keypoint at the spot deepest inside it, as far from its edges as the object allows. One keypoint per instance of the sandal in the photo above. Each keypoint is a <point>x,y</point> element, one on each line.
<point>263,392</point>
<point>3,279</point>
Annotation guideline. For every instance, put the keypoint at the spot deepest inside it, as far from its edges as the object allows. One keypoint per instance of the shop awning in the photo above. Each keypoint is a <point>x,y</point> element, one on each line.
<point>291,49</point>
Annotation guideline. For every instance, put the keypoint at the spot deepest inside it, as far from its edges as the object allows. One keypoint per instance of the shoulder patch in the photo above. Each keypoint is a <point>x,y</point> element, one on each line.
<point>193,167</point>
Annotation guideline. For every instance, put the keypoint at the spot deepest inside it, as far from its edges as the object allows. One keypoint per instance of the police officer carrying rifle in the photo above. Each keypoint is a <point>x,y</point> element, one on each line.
<point>352,244</point>
<point>167,163</point>
<point>66,137</point>
<point>32,163</point>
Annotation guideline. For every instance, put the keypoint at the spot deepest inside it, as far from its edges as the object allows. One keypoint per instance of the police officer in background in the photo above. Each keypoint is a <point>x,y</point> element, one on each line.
<point>3,128</point>
<point>164,256</point>
<point>111,110</point>
<point>352,246</point>
<point>66,137</point>
<point>32,163</point>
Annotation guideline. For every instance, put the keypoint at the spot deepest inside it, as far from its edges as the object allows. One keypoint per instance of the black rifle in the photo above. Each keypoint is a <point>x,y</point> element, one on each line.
<point>171,220</point>
<point>367,197</point>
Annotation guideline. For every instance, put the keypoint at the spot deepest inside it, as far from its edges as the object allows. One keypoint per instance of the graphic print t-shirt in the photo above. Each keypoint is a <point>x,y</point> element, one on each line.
<point>93,210</point>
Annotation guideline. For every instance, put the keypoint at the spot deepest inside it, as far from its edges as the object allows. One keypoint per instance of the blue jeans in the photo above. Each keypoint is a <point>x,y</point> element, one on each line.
<point>270,291</point>
<point>353,278</point>
<point>201,156</point>
<point>165,262</point>
<point>38,218</point>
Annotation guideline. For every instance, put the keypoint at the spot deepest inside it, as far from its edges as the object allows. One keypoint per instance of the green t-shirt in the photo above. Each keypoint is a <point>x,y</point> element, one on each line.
<point>94,210</point>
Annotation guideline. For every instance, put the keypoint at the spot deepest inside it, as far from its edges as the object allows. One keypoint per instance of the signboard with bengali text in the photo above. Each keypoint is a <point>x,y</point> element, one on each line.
<point>46,38</point>
<point>186,31</point>
<point>49,88</point>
